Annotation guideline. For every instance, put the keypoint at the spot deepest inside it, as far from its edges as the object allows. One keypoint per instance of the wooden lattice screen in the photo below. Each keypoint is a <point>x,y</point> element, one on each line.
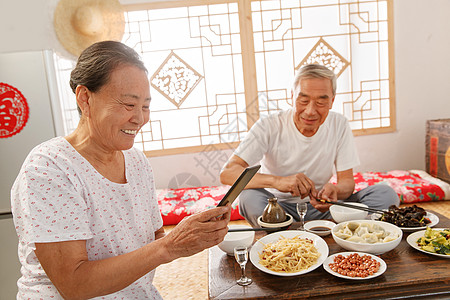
<point>215,67</point>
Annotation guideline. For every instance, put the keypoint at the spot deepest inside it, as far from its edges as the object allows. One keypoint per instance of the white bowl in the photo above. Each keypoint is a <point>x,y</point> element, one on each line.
<point>289,220</point>
<point>375,248</point>
<point>313,227</point>
<point>342,214</point>
<point>234,239</point>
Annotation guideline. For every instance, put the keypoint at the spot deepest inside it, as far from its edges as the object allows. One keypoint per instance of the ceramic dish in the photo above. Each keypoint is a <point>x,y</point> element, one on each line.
<point>286,223</point>
<point>330,259</point>
<point>433,218</point>
<point>318,227</point>
<point>340,230</point>
<point>258,246</point>
<point>412,241</point>
<point>342,214</point>
<point>234,239</point>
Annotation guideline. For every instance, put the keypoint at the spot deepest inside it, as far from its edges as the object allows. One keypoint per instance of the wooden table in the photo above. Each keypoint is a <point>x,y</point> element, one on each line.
<point>409,273</point>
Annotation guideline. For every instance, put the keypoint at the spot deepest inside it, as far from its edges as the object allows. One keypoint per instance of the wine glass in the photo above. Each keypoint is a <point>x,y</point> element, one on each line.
<point>302,208</point>
<point>241,255</point>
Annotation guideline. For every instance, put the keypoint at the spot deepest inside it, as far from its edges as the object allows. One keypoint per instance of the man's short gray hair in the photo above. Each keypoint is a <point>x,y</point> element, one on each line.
<point>315,71</point>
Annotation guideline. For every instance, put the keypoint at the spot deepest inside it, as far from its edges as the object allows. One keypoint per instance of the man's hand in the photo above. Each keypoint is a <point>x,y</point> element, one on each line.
<point>298,185</point>
<point>328,192</point>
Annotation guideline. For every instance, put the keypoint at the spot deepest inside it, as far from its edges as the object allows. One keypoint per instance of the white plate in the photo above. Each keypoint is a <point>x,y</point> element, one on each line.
<point>412,241</point>
<point>433,218</point>
<point>330,259</point>
<point>257,248</point>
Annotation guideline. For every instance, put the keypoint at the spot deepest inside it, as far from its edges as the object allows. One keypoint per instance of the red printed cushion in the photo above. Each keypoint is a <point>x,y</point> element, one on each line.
<point>410,187</point>
<point>175,204</point>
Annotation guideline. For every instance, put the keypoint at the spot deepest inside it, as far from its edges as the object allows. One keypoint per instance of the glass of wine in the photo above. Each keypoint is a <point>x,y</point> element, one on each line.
<point>241,255</point>
<point>302,208</point>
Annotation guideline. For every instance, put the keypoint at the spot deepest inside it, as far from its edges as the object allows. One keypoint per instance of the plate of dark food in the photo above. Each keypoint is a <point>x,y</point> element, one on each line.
<point>409,218</point>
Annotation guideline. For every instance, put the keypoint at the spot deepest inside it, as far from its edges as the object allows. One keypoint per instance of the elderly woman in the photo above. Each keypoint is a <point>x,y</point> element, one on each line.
<point>84,205</point>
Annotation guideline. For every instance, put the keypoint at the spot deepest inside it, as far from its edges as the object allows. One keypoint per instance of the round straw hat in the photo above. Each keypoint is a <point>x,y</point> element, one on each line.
<point>81,23</point>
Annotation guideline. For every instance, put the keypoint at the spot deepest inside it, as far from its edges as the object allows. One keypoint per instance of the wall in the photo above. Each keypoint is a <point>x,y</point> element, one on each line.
<point>421,43</point>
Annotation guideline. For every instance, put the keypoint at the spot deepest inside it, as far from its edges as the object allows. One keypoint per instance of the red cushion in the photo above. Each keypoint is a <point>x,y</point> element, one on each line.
<point>410,187</point>
<point>175,204</point>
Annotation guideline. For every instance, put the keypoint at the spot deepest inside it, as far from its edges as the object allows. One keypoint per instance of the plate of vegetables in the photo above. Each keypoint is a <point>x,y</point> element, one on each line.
<point>409,218</point>
<point>431,241</point>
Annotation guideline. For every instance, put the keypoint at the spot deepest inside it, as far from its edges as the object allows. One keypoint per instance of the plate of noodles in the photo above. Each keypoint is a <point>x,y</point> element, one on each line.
<point>289,253</point>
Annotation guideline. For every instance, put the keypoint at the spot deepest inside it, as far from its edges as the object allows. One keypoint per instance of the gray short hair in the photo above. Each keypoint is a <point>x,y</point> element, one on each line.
<point>315,71</point>
<point>98,61</point>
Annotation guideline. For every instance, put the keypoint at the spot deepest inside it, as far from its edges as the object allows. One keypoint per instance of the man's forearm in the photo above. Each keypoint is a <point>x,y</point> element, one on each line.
<point>345,189</point>
<point>230,175</point>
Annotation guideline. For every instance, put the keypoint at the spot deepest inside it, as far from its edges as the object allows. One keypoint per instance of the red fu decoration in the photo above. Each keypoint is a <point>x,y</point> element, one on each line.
<point>14,111</point>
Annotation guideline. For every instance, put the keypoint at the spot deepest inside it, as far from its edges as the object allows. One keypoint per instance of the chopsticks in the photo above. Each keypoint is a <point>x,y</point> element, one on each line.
<point>372,210</point>
<point>254,229</point>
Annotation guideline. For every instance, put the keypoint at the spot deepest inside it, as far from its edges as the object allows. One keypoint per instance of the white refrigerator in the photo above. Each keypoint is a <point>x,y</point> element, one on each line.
<point>34,75</point>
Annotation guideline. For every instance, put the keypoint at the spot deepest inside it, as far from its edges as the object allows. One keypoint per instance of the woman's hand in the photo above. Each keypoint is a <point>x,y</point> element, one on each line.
<point>198,232</point>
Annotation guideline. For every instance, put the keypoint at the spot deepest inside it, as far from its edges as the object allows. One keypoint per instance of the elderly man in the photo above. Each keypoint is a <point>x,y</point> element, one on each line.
<point>299,150</point>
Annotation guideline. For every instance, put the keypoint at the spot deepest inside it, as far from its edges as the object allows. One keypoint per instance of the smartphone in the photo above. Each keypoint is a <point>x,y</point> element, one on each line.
<point>239,185</point>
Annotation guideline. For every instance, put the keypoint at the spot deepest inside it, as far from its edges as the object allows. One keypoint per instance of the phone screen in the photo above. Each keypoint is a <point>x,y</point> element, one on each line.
<point>239,185</point>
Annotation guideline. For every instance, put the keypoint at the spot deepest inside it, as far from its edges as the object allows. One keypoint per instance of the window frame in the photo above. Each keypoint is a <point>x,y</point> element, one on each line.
<point>249,70</point>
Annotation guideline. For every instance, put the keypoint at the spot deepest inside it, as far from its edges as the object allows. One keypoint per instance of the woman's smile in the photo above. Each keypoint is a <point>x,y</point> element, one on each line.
<point>129,132</point>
